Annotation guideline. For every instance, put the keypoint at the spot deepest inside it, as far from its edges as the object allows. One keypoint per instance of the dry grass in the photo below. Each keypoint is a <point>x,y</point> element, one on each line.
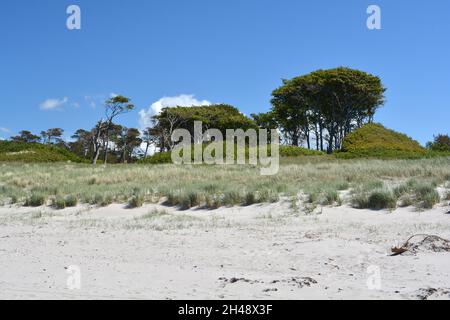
<point>212,186</point>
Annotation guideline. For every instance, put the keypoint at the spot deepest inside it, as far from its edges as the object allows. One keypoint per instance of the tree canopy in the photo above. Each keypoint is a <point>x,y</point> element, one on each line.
<point>326,103</point>
<point>220,116</point>
<point>441,143</point>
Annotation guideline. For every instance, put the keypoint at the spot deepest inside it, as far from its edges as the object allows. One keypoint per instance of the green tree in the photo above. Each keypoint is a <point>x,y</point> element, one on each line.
<point>52,136</point>
<point>129,141</point>
<point>265,120</point>
<point>114,107</point>
<point>328,103</point>
<point>149,137</point>
<point>82,144</point>
<point>441,143</point>
<point>25,136</point>
<point>221,117</point>
<point>291,109</point>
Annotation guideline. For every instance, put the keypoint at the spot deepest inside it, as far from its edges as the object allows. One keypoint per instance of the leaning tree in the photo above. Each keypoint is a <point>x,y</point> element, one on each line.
<point>114,107</point>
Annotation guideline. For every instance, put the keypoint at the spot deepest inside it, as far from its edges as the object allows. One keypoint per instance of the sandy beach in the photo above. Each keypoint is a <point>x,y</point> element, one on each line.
<point>268,251</point>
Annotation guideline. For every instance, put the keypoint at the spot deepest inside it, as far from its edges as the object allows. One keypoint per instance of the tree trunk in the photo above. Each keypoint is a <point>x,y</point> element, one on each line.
<point>331,140</point>
<point>105,159</point>
<point>295,140</point>
<point>96,148</point>
<point>316,133</point>
<point>96,155</point>
<point>146,150</point>
<point>105,156</point>
<point>321,138</point>
<point>308,142</point>
<point>124,154</point>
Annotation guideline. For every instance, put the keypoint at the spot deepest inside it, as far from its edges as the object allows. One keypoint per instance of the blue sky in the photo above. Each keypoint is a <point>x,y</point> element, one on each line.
<point>230,51</point>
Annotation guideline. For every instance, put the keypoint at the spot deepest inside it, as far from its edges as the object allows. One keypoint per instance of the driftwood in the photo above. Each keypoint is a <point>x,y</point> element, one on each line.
<point>407,246</point>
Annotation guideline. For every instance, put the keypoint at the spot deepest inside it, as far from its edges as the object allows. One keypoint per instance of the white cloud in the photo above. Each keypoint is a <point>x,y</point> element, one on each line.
<point>52,104</point>
<point>94,100</point>
<point>5,130</point>
<point>91,101</point>
<point>184,100</point>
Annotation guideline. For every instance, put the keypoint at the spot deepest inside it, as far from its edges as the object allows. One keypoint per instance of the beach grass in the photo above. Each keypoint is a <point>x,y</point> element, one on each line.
<point>379,182</point>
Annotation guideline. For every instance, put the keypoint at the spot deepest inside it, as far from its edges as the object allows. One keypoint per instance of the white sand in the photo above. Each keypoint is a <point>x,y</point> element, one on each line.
<point>256,252</point>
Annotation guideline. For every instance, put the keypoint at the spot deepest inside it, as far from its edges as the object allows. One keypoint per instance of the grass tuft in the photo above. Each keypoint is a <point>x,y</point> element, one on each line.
<point>35,200</point>
<point>59,203</point>
<point>136,201</point>
<point>379,200</point>
<point>250,198</point>
<point>330,197</point>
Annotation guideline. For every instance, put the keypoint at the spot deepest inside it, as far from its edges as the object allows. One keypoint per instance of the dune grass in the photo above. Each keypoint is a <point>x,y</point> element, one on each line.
<point>373,183</point>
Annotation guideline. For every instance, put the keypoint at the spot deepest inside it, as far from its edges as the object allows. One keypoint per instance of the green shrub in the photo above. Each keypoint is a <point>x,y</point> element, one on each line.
<point>292,151</point>
<point>330,197</point>
<point>194,199</point>
<point>284,151</point>
<point>136,201</point>
<point>96,199</point>
<point>406,201</point>
<point>430,199</point>
<point>401,190</point>
<point>250,198</point>
<point>59,203</point>
<point>185,203</point>
<point>102,200</point>
<point>212,201</point>
<point>71,201</point>
<point>426,195</point>
<point>423,190</point>
<point>231,198</point>
<point>35,152</point>
<point>441,143</point>
<point>374,140</point>
<point>35,200</point>
<point>360,201</point>
<point>312,197</point>
<point>14,199</point>
<point>158,158</point>
<point>190,200</point>
<point>423,195</point>
<point>172,199</point>
<point>379,200</point>
<point>107,200</point>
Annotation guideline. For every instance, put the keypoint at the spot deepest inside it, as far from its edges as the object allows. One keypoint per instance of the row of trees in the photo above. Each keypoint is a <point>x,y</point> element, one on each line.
<point>440,143</point>
<point>316,110</point>
<point>219,116</point>
<point>51,136</point>
<point>107,140</point>
<point>123,145</point>
<point>323,107</point>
